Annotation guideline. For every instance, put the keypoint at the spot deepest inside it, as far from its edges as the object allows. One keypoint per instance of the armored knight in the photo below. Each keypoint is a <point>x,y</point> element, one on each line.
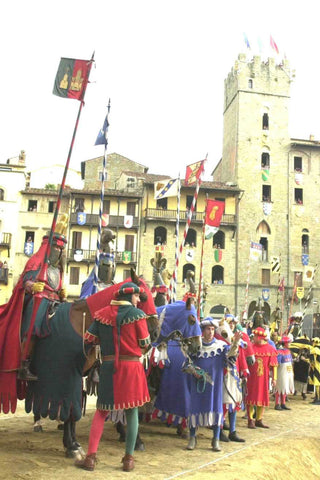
<point>49,289</point>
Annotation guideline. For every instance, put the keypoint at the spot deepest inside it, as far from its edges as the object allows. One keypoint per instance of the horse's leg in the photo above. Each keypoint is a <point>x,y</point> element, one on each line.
<point>122,431</point>
<point>37,427</point>
<point>73,449</point>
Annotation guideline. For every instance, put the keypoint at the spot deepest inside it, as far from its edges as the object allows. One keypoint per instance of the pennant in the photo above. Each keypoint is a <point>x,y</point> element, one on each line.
<point>298,178</point>
<point>214,212</point>
<point>128,221</point>
<point>266,294</point>
<point>255,251</point>
<point>217,255</point>
<point>126,256</point>
<point>189,254</point>
<point>308,273</point>
<point>193,172</point>
<point>28,248</point>
<point>104,219</point>
<point>265,174</point>
<point>81,218</point>
<point>72,78</point>
<point>273,45</point>
<point>305,259</point>
<point>267,208</point>
<point>78,255</point>
<point>276,264</point>
<point>246,41</point>
<point>102,138</point>
<point>165,188</point>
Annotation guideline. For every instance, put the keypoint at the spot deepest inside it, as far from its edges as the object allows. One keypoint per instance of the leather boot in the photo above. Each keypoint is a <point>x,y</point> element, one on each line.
<point>128,463</point>
<point>233,437</point>
<point>260,424</point>
<point>192,443</point>
<point>24,372</point>
<point>284,407</point>
<point>215,445</point>
<point>251,423</point>
<point>87,463</point>
<point>278,407</point>
<point>223,436</point>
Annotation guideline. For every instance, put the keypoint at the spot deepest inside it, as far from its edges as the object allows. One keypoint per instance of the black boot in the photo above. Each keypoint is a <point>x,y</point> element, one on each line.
<point>24,372</point>
<point>234,437</point>
<point>223,436</point>
<point>284,407</point>
<point>278,407</point>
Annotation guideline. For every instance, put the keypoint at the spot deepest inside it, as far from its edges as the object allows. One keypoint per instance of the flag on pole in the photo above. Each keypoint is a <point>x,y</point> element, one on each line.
<point>246,41</point>
<point>255,251</point>
<point>214,212</point>
<point>273,44</point>
<point>102,138</point>
<point>193,172</point>
<point>72,78</point>
<point>165,188</point>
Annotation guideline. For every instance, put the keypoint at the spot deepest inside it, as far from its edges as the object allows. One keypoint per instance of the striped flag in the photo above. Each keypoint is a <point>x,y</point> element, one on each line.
<point>165,188</point>
<point>273,45</point>
<point>194,172</point>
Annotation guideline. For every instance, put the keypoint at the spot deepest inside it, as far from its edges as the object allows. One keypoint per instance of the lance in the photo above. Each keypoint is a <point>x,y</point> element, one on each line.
<point>200,292</point>
<point>43,274</point>
<point>174,285</point>
<point>189,218</point>
<point>102,139</point>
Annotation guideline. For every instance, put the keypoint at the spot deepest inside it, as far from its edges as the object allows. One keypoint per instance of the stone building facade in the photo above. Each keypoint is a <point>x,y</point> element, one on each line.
<point>279,177</point>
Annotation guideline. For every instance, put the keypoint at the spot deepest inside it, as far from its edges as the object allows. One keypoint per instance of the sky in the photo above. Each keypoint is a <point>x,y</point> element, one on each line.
<point>161,63</point>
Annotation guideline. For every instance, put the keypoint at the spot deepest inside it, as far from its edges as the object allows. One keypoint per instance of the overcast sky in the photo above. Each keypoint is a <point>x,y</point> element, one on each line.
<point>162,64</point>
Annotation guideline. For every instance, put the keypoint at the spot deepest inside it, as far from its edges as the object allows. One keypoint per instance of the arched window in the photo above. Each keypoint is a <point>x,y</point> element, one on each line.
<point>191,238</point>
<point>217,274</point>
<point>263,229</point>
<point>186,267</point>
<point>1,194</point>
<point>218,240</point>
<point>264,242</point>
<point>160,236</point>
<point>250,83</point>
<point>305,242</point>
<point>265,160</point>
<point>265,121</point>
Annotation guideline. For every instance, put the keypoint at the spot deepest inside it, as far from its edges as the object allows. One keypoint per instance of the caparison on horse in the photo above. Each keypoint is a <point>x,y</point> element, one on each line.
<point>59,361</point>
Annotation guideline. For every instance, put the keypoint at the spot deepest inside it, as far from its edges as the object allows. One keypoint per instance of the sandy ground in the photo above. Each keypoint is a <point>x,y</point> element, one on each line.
<point>289,450</point>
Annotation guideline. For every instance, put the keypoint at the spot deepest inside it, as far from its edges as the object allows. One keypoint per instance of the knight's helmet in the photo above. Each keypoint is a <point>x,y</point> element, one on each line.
<point>59,241</point>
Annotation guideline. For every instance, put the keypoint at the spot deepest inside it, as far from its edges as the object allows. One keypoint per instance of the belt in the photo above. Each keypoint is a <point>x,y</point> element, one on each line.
<point>109,358</point>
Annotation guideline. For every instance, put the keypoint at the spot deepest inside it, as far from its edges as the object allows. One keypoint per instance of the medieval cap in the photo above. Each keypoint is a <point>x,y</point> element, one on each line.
<point>209,321</point>
<point>260,332</point>
<point>129,288</point>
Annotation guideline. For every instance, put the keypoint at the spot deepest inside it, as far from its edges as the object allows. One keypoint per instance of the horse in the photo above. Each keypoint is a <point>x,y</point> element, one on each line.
<point>59,361</point>
<point>180,336</point>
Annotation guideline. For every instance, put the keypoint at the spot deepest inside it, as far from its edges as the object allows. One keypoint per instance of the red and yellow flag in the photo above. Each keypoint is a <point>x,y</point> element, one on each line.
<point>193,172</point>
<point>72,78</point>
<point>214,212</point>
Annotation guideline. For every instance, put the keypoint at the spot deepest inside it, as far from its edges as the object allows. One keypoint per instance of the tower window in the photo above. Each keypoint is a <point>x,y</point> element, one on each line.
<point>305,243</point>
<point>32,206</point>
<point>265,160</point>
<point>265,121</point>
<point>265,276</point>
<point>298,196</point>
<point>266,193</point>
<point>217,274</point>
<point>250,83</point>
<point>218,240</point>
<point>297,164</point>
<point>264,242</point>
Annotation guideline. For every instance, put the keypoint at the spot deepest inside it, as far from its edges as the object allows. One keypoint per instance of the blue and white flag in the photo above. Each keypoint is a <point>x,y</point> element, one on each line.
<point>165,188</point>
<point>102,138</point>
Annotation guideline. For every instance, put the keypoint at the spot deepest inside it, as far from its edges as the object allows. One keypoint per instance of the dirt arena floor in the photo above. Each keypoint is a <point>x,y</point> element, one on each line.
<point>289,450</point>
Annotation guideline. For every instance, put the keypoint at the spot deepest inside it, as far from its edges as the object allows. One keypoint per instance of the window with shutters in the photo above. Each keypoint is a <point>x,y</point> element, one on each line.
<point>265,276</point>
<point>74,275</point>
<point>76,240</point>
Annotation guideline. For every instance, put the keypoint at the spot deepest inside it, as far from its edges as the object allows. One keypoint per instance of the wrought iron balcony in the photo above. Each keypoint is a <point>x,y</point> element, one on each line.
<point>92,219</point>
<point>88,256</point>
<point>171,216</point>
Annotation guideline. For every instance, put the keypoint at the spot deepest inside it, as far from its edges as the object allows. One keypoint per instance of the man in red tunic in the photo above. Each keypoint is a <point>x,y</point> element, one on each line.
<point>258,379</point>
<point>122,332</point>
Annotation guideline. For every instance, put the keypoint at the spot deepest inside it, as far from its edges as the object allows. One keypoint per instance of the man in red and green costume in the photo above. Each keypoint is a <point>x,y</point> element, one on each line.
<point>122,332</point>
<point>258,379</point>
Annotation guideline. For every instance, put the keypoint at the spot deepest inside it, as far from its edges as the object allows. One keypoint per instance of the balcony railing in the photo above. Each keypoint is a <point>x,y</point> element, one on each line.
<point>93,219</point>
<point>171,216</point>
<point>89,256</point>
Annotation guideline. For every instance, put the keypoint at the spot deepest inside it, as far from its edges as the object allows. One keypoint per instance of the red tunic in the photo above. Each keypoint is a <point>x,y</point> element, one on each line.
<point>258,379</point>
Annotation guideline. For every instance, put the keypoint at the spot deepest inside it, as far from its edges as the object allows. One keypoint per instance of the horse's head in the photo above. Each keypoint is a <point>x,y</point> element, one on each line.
<point>224,330</point>
<point>180,317</point>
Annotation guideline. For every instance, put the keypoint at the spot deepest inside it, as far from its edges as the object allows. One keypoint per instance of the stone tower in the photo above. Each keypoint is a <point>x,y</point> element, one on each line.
<point>256,145</point>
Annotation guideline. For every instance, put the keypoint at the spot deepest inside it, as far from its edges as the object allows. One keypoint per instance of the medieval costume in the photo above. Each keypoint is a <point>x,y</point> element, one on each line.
<point>315,368</point>
<point>300,350</point>
<point>285,383</point>
<point>258,379</point>
<point>206,390</point>
<point>122,332</point>
<point>15,316</point>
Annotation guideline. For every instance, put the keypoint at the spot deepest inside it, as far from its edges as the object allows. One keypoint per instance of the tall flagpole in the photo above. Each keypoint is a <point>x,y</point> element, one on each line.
<point>185,233</point>
<point>42,275</point>
<point>246,302</point>
<point>104,161</point>
<point>174,286</point>
<point>200,292</point>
